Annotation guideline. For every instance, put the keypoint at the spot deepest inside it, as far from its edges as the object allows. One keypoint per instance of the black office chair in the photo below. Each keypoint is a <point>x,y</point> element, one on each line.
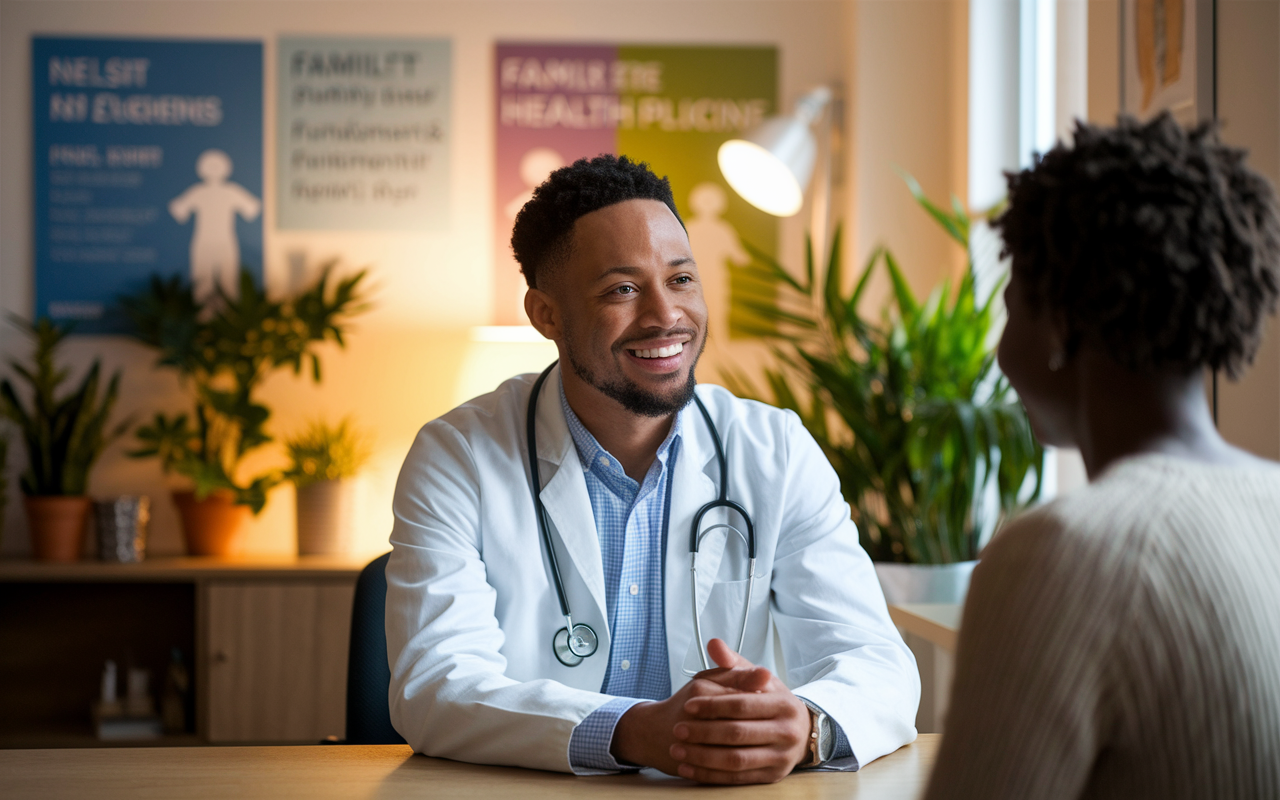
<point>368,676</point>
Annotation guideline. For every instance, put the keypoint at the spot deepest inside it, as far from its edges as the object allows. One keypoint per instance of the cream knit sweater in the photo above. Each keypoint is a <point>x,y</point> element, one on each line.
<point>1124,641</point>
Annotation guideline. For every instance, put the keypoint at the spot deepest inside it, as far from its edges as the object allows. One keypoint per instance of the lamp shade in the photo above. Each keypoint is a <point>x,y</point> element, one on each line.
<point>770,167</point>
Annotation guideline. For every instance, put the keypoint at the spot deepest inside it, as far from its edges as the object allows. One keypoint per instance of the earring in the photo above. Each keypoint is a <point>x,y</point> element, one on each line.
<point>1057,359</point>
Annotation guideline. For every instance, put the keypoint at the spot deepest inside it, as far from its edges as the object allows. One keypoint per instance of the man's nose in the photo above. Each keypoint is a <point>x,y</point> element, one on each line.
<point>661,309</point>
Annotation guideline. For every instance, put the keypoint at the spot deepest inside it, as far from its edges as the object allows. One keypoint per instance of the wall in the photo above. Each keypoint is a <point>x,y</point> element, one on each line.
<point>909,77</point>
<point>411,359</point>
<point>1249,108</point>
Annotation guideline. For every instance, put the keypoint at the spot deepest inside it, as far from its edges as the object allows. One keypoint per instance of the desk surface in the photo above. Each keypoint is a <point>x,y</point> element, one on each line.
<point>938,623</point>
<point>392,771</point>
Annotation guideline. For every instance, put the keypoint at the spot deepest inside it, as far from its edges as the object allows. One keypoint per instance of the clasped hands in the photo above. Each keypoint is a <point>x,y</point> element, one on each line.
<point>734,724</point>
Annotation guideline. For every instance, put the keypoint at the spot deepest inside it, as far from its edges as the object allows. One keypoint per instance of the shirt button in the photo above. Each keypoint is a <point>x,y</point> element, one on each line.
<point>625,664</point>
<point>635,589</point>
<point>604,461</point>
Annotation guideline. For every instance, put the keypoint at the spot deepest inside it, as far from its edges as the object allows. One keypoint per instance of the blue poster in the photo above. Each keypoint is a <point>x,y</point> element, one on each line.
<point>147,160</point>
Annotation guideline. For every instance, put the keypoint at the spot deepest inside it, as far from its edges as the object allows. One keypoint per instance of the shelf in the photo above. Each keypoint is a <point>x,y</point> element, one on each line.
<point>184,569</point>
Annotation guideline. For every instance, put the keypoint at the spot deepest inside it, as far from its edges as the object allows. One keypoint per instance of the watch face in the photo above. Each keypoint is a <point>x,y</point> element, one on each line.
<point>826,739</point>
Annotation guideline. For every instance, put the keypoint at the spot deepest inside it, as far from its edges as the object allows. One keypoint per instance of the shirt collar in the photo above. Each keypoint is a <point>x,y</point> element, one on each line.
<point>590,451</point>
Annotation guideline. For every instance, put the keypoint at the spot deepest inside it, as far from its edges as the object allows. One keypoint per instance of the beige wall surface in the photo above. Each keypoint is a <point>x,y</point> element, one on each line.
<point>412,357</point>
<point>1249,108</point>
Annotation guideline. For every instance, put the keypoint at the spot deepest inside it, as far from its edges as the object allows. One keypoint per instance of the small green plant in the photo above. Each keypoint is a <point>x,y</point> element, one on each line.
<point>224,354</point>
<point>64,435</point>
<point>911,409</point>
<point>324,452</point>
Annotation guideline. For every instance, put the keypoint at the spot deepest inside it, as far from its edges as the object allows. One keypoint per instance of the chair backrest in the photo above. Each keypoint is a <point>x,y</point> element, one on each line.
<point>368,676</point>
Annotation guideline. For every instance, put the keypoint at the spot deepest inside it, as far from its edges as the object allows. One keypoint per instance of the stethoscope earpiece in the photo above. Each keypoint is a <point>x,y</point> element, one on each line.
<point>573,643</point>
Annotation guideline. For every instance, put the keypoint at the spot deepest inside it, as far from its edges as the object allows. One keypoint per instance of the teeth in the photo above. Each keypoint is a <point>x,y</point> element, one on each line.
<point>660,352</point>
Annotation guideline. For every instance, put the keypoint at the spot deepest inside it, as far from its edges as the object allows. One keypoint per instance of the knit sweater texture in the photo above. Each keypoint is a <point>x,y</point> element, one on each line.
<point>1123,641</point>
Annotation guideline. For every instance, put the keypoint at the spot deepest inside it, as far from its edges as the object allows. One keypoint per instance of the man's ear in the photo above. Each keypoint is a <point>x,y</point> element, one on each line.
<point>544,313</point>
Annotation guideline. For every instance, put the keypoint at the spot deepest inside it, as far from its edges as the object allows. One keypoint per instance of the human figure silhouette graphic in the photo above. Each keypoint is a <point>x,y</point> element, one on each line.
<point>215,202</point>
<point>536,166</point>
<point>717,249</point>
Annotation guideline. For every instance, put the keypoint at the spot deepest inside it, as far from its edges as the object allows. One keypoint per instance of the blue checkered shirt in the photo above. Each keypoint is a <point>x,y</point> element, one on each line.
<point>631,525</point>
<point>629,522</point>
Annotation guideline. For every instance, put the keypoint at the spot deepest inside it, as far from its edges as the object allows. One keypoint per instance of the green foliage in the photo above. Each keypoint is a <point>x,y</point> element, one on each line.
<point>64,436</point>
<point>224,353</point>
<point>911,409</point>
<point>324,452</point>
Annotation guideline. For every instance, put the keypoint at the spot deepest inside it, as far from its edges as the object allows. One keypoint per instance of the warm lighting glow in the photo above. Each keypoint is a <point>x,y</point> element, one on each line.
<point>498,352</point>
<point>760,177</point>
<point>506,333</point>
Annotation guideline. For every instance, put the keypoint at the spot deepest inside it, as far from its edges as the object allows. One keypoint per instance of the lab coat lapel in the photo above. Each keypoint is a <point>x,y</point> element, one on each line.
<point>564,495</point>
<point>694,486</point>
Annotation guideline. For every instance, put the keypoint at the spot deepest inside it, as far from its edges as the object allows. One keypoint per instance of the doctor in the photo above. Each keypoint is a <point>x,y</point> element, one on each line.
<point>480,670</point>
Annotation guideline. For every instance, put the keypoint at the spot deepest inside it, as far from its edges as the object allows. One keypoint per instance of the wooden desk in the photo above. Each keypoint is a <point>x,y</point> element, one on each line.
<point>392,771</point>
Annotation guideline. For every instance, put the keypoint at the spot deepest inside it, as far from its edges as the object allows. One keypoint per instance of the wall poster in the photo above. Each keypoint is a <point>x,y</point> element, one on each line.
<point>671,106</point>
<point>147,160</point>
<point>362,134</point>
<point>1166,54</point>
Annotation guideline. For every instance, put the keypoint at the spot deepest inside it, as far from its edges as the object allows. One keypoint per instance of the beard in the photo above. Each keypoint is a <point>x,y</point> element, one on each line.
<point>628,393</point>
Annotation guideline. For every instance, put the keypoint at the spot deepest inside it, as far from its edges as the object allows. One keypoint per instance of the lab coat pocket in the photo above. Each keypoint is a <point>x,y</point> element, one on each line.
<point>722,619</point>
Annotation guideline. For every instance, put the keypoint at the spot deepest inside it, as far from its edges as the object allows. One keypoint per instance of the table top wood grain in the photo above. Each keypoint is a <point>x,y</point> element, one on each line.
<point>392,771</point>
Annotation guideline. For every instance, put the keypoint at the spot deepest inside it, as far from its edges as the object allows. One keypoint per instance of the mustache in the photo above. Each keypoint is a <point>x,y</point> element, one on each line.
<point>622,344</point>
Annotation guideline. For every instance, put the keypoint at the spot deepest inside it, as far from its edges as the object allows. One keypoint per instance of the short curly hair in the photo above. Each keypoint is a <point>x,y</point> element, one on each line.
<point>541,236</point>
<point>1152,242</point>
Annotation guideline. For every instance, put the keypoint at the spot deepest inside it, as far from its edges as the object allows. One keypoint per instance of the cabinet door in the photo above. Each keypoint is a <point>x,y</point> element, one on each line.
<point>276,659</point>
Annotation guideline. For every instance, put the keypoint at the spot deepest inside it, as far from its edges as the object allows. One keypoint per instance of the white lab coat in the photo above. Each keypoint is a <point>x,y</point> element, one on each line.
<point>471,605</point>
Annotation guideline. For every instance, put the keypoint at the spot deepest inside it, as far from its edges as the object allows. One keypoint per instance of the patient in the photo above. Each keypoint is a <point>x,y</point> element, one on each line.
<point>1124,640</point>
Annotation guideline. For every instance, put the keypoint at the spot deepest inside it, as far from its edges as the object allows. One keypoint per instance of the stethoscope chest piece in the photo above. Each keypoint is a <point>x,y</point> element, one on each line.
<point>571,649</point>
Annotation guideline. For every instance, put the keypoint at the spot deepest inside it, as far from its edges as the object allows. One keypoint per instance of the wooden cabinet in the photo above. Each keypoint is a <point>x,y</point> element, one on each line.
<point>276,656</point>
<point>266,639</point>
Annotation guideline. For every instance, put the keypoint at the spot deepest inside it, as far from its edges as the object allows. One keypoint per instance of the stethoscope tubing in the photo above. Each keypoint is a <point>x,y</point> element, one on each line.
<point>571,631</point>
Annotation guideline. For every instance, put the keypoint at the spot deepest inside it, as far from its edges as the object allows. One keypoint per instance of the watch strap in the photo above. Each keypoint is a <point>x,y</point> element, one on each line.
<point>819,736</point>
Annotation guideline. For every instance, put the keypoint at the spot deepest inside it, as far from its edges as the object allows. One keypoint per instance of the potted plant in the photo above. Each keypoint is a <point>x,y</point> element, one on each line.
<point>64,437</point>
<point>223,353</point>
<point>324,460</point>
<point>932,447</point>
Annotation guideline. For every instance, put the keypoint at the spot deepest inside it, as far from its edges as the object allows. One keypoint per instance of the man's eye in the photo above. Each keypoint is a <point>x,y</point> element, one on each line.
<point>684,279</point>
<point>625,289</point>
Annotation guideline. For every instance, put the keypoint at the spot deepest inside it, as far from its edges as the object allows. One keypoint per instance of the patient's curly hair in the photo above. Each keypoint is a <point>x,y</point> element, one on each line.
<point>1153,243</point>
<point>541,236</point>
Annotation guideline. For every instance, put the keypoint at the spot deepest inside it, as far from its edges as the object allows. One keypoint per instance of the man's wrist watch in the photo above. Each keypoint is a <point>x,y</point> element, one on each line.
<point>822,738</point>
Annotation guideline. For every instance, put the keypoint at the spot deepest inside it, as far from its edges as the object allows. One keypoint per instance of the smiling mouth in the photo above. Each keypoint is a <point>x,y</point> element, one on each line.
<point>659,352</point>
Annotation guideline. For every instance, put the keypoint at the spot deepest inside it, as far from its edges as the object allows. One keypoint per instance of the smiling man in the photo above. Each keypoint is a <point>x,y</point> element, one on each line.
<point>544,605</point>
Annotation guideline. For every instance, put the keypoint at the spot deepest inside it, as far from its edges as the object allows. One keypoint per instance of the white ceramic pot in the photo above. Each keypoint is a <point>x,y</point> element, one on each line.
<point>924,583</point>
<point>326,514</point>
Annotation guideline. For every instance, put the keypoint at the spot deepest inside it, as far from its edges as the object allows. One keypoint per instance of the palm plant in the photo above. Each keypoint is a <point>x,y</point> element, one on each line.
<point>910,409</point>
<point>225,354</point>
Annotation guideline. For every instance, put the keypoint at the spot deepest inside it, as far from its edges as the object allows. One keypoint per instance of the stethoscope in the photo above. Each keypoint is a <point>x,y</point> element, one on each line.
<point>575,642</point>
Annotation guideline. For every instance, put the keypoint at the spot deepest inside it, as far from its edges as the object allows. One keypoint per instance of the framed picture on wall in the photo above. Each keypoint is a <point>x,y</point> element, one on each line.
<point>1167,54</point>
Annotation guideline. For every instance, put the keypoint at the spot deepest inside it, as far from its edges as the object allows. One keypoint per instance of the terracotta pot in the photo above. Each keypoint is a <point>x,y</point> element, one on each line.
<point>57,526</point>
<point>212,526</point>
<point>326,515</point>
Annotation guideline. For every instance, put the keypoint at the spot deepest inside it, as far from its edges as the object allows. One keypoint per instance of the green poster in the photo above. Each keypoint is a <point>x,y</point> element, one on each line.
<point>677,106</point>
